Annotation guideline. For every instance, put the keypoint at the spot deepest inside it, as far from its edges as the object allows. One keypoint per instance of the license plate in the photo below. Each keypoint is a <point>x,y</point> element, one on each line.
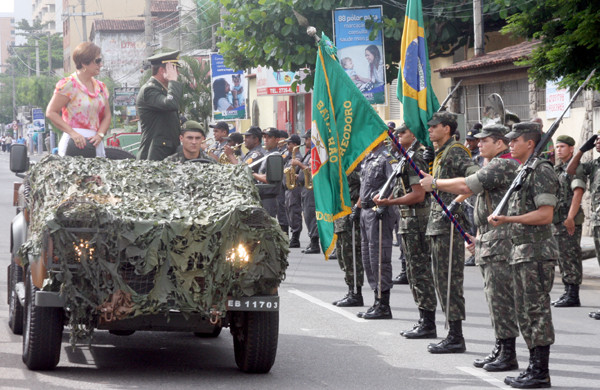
<point>268,303</point>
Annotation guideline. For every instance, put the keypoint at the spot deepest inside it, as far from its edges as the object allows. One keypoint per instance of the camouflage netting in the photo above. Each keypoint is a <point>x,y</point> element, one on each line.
<point>139,237</point>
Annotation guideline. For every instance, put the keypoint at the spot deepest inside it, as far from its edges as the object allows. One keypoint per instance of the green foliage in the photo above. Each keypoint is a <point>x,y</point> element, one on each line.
<point>30,91</point>
<point>195,76</point>
<point>23,57</point>
<point>273,32</point>
<point>570,43</point>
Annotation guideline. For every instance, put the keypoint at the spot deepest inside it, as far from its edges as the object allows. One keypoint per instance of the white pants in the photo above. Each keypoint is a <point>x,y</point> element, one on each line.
<point>64,140</point>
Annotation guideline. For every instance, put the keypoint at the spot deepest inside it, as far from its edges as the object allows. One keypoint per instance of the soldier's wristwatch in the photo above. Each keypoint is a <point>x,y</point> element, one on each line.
<point>434,184</point>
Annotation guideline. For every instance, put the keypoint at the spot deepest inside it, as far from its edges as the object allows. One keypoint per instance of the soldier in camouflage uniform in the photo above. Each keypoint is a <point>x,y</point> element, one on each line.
<point>191,137</point>
<point>492,246</point>
<point>349,260</point>
<point>591,171</point>
<point>452,159</point>
<point>568,221</point>
<point>376,168</point>
<point>414,205</point>
<point>534,254</point>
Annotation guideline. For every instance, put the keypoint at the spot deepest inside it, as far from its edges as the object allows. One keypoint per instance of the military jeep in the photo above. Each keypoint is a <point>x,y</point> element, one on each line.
<point>125,246</point>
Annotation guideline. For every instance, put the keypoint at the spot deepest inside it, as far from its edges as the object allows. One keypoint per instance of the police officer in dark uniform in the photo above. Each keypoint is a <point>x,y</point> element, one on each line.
<point>268,196</point>
<point>293,197</point>
<point>308,198</point>
<point>220,132</point>
<point>282,217</point>
<point>158,108</point>
<point>191,136</point>
<point>253,142</point>
<point>377,167</point>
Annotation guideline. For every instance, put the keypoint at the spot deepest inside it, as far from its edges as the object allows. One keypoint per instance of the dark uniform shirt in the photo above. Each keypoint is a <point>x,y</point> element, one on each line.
<point>376,168</point>
<point>254,155</point>
<point>158,109</point>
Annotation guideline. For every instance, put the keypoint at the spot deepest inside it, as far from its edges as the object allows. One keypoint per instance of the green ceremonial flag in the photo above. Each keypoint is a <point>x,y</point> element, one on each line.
<point>414,77</point>
<point>345,128</point>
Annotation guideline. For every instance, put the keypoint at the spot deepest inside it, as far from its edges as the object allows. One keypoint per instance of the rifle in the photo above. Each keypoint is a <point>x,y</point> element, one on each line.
<point>445,102</point>
<point>532,161</point>
<point>387,188</point>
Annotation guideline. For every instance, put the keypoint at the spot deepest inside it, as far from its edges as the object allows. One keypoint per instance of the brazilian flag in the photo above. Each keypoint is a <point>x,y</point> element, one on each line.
<point>414,77</point>
<point>345,128</point>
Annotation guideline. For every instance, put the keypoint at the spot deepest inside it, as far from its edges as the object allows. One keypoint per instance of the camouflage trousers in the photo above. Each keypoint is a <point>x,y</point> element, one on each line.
<point>440,251</point>
<point>533,283</point>
<point>418,270</point>
<point>343,248</point>
<point>597,242</point>
<point>498,286</point>
<point>569,247</point>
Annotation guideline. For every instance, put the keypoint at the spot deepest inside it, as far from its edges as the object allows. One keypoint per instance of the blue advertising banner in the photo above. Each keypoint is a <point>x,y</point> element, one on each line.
<point>229,90</point>
<point>363,60</point>
<point>38,119</point>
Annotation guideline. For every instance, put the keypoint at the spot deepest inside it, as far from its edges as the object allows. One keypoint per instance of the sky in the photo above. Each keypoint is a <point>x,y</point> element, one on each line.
<point>6,6</point>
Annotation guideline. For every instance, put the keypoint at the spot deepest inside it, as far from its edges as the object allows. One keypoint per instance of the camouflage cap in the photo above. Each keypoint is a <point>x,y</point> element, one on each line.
<point>522,128</point>
<point>493,129</point>
<point>443,117</point>
<point>192,126</point>
<point>565,139</point>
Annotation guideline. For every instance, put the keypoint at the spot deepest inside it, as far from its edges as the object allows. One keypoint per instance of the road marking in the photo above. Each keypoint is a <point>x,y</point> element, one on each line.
<point>479,373</point>
<point>327,305</point>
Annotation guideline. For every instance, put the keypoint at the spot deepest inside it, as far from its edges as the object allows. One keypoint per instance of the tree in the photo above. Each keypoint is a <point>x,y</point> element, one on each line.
<point>273,32</point>
<point>570,43</point>
<point>23,57</point>
<point>195,76</point>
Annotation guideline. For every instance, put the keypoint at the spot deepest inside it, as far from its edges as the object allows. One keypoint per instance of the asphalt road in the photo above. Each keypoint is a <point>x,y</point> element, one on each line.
<point>320,346</point>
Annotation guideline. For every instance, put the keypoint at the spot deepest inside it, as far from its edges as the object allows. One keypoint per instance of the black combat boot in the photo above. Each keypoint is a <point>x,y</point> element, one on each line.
<point>453,343</point>
<point>510,379</point>
<point>572,298</point>
<point>595,314</point>
<point>382,311</point>
<point>361,314</point>
<point>507,360</point>
<point>295,240</point>
<point>351,299</point>
<point>313,247</point>
<point>563,295</point>
<point>285,229</point>
<point>426,329</point>
<point>401,278</point>
<point>479,363</point>
<point>416,325</point>
<point>539,375</point>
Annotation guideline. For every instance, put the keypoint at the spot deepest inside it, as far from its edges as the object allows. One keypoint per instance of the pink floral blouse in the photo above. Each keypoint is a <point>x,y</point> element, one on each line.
<point>85,109</point>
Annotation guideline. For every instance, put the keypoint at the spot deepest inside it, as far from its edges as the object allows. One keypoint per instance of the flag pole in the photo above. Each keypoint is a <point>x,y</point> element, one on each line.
<point>435,194</point>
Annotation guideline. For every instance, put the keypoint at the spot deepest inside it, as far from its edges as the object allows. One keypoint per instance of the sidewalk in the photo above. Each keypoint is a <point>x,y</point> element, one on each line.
<point>591,269</point>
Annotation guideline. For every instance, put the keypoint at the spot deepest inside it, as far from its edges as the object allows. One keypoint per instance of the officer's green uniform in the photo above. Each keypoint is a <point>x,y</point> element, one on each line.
<point>158,109</point>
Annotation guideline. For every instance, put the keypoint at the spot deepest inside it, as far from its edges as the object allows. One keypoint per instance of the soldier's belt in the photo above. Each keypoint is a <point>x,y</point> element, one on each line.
<point>368,204</point>
<point>437,207</point>
<point>531,238</point>
<point>405,213</point>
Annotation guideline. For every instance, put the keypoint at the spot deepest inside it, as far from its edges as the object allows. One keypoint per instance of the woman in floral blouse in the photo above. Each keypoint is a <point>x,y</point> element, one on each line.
<point>79,106</point>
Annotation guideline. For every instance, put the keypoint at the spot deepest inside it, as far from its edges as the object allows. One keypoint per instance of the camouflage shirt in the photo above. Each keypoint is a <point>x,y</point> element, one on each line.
<point>180,157</point>
<point>376,168</point>
<point>413,218</point>
<point>344,224</point>
<point>568,183</point>
<point>452,160</point>
<point>490,183</point>
<point>591,170</point>
<point>530,242</point>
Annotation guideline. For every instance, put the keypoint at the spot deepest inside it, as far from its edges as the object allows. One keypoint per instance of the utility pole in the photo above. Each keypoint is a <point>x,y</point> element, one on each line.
<point>37,57</point>
<point>83,21</point>
<point>148,28</point>
<point>49,53</point>
<point>478,27</point>
<point>14,93</point>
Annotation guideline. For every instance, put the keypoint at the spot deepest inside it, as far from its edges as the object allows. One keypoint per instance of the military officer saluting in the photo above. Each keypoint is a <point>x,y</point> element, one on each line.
<point>158,108</point>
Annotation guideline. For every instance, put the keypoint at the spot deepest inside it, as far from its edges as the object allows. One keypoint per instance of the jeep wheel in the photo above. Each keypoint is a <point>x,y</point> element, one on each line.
<point>15,310</point>
<point>42,333</point>
<point>255,341</point>
<point>208,335</point>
